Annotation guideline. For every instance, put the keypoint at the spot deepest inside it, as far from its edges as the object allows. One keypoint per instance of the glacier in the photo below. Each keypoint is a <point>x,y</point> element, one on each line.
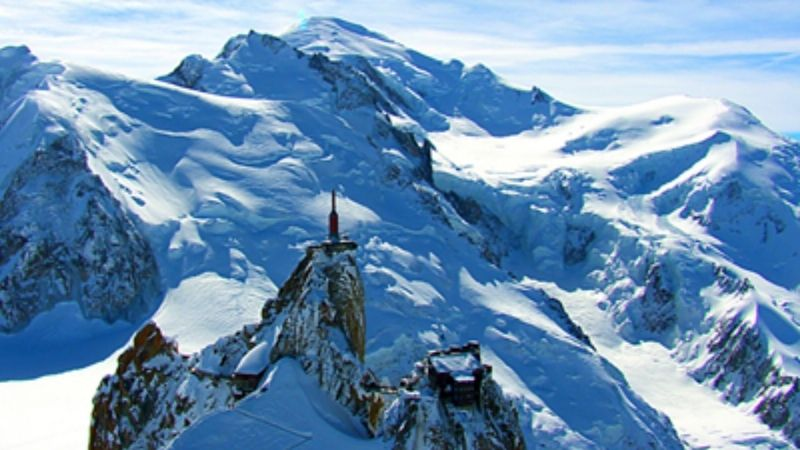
<point>613,262</point>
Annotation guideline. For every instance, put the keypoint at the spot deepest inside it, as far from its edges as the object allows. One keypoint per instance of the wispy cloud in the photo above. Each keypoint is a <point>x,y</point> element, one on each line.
<point>586,51</point>
<point>139,38</point>
<point>486,46</point>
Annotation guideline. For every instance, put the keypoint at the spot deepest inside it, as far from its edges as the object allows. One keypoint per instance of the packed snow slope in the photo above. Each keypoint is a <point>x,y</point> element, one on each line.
<point>477,207</point>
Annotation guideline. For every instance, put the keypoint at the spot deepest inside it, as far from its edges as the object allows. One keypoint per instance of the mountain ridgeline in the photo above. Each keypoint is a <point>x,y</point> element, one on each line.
<point>569,242</point>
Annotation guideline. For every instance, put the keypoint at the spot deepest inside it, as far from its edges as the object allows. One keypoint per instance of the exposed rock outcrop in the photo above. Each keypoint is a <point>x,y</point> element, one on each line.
<point>780,406</point>
<point>658,300</point>
<point>741,365</point>
<point>189,72</point>
<point>577,240</point>
<point>653,312</point>
<point>738,362</point>
<point>324,326</point>
<point>63,237</point>
<point>156,392</point>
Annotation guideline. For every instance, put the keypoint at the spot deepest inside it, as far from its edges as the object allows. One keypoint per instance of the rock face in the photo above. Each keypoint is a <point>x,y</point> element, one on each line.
<point>130,400</point>
<point>324,327</point>
<point>780,405</point>
<point>576,242</point>
<point>63,237</point>
<point>327,275</point>
<point>738,362</point>
<point>653,312</point>
<point>741,365</point>
<point>156,392</point>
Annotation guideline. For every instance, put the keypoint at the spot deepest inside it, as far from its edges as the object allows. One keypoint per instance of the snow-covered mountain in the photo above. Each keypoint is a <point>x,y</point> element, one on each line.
<point>627,271</point>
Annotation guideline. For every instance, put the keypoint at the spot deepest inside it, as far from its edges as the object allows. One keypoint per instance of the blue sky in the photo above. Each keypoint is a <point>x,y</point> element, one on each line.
<point>586,52</point>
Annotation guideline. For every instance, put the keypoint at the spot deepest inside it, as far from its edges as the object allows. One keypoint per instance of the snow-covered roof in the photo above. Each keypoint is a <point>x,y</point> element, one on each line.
<point>460,365</point>
<point>464,378</point>
<point>255,361</point>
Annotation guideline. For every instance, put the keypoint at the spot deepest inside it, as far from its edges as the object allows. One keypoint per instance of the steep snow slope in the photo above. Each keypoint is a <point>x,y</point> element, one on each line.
<point>429,91</point>
<point>228,181</point>
<point>696,411</point>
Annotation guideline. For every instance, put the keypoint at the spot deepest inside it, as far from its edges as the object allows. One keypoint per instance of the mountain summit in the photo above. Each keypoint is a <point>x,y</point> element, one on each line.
<point>622,268</point>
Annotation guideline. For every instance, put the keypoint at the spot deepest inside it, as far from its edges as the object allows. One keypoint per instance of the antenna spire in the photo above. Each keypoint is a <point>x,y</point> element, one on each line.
<point>333,220</point>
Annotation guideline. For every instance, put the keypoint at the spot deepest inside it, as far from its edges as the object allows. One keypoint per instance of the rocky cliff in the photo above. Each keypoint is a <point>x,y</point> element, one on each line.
<point>157,392</point>
<point>317,318</point>
<point>324,325</point>
<point>63,237</point>
<point>742,365</point>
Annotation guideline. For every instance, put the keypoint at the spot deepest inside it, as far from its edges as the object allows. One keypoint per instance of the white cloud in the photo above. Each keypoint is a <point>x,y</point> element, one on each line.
<point>138,38</point>
<point>486,47</point>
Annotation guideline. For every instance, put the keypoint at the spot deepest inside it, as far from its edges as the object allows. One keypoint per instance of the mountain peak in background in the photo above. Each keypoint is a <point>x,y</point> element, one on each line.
<point>328,28</point>
<point>601,257</point>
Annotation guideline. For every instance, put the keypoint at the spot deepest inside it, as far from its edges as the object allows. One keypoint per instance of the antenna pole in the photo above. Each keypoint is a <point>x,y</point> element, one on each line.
<point>333,220</point>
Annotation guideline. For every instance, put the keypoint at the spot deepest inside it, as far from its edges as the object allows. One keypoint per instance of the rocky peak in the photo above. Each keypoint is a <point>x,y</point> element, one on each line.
<point>189,72</point>
<point>128,405</point>
<point>157,392</point>
<point>252,38</point>
<point>318,319</point>
<point>328,280</point>
<point>147,344</point>
<point>324,326</point>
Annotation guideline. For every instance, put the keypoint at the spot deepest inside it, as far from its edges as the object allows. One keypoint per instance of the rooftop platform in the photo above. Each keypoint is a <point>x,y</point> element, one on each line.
<point>331,247</point>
